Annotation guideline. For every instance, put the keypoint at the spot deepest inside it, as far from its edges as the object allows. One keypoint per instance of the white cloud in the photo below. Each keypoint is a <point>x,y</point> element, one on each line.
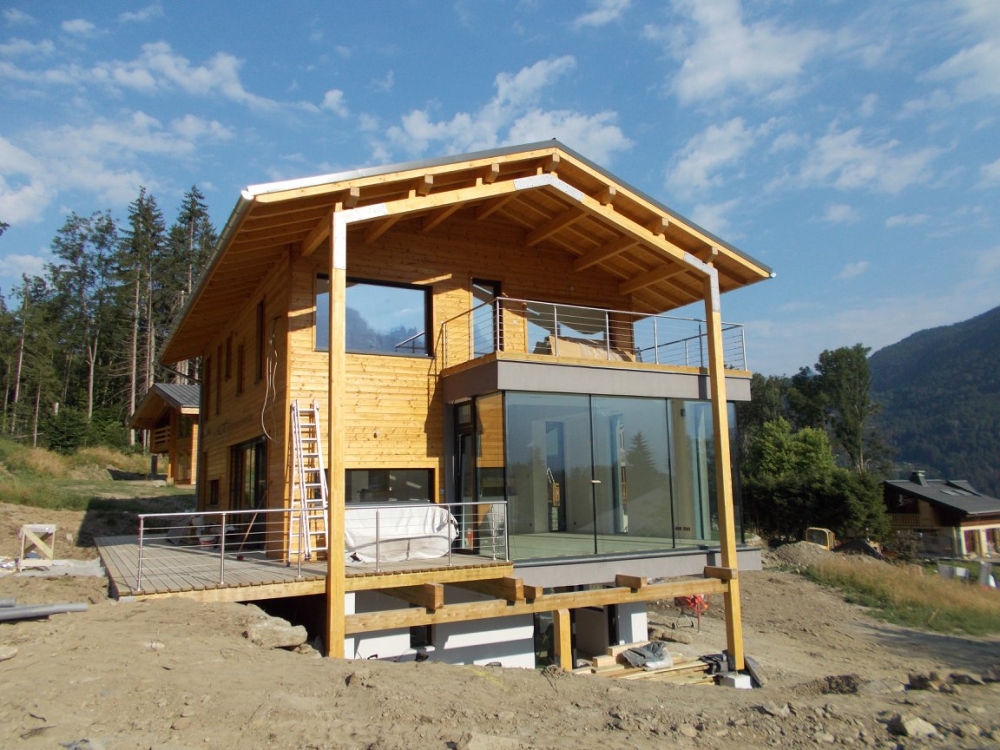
<point>24,187</point>
<point>78,27</point>
<point>604,12</point>
<point>385,84</point>
<point>17,47</point>
<point>15,264</point>
<point>853,269</point>
<point>343,51</point>
<point>512,116</point>
<point>158,68</point>
<point>990,173</point>
<point>720,54</point>
<point>106,158</point>
<point>697,165</point>
<point>192,128</point>
<point>141,16</point>
<point>714,216</point>
<point>867,108</point>
<point>15,17</point>
<point>842,160</point>
<point>840,213</point>
<point>906,220</point>
<point>333,101</point>
<point>989,260</point>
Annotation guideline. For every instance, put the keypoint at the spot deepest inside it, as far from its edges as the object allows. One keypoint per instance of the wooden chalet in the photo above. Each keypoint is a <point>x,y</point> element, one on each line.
<point>169,412</point>
<point>946,517</point>
<point>489,329</point>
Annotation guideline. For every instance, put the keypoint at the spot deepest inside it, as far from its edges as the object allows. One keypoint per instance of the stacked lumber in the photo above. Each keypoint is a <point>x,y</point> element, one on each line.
<point>684,671</point>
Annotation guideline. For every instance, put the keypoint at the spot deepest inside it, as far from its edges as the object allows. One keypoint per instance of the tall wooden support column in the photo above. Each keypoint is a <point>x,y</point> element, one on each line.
<point>335,624</point>
<point>562,638</point>
<point>723,466</point>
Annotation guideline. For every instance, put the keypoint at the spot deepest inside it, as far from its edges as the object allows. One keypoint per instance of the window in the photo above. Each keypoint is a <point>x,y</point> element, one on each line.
<point>387,485</point>
<point>218,381</point>
<point>380,318</point>
<point>247,474</point>
<point>206,391</point>
<point>240,367</point>
<point>229,356</point>
<point>213,492</point>
<point>259,339</point>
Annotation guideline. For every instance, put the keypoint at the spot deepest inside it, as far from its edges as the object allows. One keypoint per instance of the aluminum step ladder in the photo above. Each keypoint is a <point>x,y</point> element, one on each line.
<point>307,522</point>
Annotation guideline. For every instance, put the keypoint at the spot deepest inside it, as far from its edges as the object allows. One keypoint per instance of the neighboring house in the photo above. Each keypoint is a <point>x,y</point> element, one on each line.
<point>484,329</point>
<point>948,517</point>
<point>169,412</point>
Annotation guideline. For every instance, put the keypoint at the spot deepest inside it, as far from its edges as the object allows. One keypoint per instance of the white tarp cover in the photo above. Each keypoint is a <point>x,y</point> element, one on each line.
<point>405,532</point>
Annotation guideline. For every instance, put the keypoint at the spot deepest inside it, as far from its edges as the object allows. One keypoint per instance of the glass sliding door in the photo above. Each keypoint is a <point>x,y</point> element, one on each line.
<point>549,475</point>
<point>486,337</point>
<point>633,498</point>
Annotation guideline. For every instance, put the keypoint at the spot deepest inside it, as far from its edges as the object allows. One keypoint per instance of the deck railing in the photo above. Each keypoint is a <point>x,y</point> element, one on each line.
<point>516,326</point>
<point>219,542</point>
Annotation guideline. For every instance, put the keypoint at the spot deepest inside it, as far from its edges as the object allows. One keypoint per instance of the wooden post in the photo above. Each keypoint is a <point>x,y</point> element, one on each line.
<point>335,624</point>
<point>562,639</point>
<point>723,466</point>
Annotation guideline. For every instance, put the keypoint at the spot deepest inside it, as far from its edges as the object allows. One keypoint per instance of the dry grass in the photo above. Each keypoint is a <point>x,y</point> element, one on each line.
<point>907,596</point>
<point>86,479</point>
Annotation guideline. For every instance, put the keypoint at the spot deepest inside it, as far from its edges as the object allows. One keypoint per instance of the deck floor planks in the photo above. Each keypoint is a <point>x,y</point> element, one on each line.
<point>170,570</point>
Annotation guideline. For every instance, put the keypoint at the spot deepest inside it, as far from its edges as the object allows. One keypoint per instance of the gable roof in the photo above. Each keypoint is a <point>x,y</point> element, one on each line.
<point>160,399</point>
<point>649,252</point>
<point>956,494</point>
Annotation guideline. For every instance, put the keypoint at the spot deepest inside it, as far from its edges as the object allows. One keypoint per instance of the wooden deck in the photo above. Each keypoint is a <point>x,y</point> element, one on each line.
<point>201,573</point>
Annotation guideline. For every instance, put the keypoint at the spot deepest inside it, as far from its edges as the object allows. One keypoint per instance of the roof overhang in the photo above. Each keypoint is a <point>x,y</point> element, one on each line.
<point>562,201</point>
<point>154,410</point>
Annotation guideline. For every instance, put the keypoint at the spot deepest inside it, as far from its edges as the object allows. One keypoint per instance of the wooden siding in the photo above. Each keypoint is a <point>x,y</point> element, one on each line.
<point>261,409</point>
<point>394,413</point>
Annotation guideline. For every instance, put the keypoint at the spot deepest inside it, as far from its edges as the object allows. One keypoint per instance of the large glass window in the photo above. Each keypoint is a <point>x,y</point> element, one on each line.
<point>380,318</point>
<point>389,485</point>
<point>600,474</point>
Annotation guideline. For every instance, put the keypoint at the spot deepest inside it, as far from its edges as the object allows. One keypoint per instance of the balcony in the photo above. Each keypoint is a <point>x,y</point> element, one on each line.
<point>531,330</point>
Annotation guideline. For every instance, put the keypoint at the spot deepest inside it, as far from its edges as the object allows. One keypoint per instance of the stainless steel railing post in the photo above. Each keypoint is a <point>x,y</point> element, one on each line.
<point>378,540</point>
<point>138,576</point>
<point>222,550</point>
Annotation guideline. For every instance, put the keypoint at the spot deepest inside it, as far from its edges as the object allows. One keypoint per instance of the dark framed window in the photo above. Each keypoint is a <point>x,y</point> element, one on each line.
<point>229,356</point>
<point>380,317</point>
<point>259,340</point>
<point>206,390</point>
<point>389,485</point>
<point>240,367</point>
<point>218,381</point>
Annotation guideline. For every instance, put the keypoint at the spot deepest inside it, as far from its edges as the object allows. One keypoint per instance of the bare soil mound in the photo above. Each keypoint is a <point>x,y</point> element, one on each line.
<point>176,673</point>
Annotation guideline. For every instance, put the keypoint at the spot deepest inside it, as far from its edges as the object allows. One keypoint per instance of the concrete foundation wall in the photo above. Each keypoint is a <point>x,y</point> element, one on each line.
<point>508,640</point>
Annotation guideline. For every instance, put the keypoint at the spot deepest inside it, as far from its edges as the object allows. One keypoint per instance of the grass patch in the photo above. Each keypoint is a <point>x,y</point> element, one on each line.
<point>86,480</point>
<point>907,596</point>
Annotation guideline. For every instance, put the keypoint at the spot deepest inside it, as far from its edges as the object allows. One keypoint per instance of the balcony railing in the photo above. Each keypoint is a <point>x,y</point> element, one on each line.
<point>220,543</point>
<point>518,326</point>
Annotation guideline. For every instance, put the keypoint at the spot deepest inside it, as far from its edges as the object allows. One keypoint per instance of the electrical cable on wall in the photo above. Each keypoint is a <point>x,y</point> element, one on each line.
<point>270,389</point>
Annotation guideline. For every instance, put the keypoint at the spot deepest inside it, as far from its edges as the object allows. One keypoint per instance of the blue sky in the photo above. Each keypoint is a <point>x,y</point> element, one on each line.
<point>854,147</point>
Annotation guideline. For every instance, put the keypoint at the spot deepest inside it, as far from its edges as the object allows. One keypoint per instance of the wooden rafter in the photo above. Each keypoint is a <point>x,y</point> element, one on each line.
<point>601,254</point>
<point>493,205</point>
<point>650,277</point>
<point>553,225</point>
<point>435,219</point>
<point>378,228</point>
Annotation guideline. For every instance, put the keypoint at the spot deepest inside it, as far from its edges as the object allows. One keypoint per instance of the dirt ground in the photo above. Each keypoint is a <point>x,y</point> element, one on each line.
<point>178,674</point>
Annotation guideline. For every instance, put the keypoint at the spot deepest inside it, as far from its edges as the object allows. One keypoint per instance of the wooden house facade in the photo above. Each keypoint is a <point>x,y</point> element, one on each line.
<point>945,517</point>
<point>169,412</point>
<point>486,329</point>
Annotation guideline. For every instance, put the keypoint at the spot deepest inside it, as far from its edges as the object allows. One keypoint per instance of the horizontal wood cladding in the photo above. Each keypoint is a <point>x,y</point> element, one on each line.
<point>261,408</point>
